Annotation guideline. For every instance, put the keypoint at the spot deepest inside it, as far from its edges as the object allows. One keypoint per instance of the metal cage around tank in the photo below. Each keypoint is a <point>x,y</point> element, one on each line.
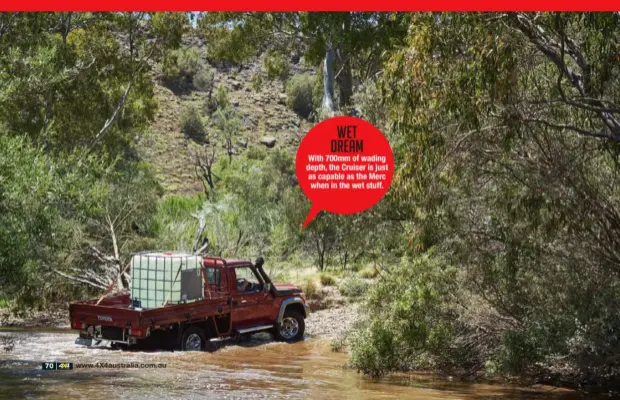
<point>156,278</point>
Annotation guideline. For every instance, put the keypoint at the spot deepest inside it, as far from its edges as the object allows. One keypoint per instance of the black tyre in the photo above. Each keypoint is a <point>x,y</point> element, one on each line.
<point>193,339</point>
<point>292,327</point>
<point>118,346</point>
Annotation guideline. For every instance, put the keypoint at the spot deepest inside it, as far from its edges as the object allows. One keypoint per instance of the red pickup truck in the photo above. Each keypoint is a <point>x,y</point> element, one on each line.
<point>239,298</point>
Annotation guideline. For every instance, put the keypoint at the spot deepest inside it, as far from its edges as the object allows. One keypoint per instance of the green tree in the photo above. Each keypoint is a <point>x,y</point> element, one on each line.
<point>503,127</point>
<point>337,41</point>
<point>81,79</point>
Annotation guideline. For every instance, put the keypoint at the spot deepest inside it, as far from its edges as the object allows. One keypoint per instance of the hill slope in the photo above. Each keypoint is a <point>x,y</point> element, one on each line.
<point>262,113</point>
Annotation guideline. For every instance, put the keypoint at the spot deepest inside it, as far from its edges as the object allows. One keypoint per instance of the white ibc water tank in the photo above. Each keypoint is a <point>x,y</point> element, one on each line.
<point>156,277</point>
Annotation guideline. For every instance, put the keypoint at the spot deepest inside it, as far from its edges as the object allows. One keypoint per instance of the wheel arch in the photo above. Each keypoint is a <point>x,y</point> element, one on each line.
<point>295,304</point>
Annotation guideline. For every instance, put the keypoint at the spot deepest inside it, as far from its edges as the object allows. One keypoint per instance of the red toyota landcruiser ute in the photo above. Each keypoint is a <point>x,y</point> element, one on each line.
<point>237,298</point>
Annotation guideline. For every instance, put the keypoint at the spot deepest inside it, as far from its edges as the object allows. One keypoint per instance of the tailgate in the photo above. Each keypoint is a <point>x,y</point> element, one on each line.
<point>85,314</point>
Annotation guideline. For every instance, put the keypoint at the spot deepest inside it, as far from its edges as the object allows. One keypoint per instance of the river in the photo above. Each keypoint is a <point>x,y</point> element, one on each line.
<point>258,369</point>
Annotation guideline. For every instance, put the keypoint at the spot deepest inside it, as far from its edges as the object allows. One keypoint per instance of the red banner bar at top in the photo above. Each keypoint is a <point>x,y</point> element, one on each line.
<point>311,5</point>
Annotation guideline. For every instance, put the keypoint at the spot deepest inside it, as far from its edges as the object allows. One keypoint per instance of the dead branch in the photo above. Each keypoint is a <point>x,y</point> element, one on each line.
<point>110,121</point>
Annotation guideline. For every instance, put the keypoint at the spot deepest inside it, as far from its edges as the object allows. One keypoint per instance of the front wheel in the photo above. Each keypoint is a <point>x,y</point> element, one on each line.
<point>292,327</point>
<point>193,339</point>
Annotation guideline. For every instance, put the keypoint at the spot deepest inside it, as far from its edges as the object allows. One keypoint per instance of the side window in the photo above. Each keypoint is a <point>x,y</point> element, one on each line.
<point>247,274</point>
<point>213,276</point>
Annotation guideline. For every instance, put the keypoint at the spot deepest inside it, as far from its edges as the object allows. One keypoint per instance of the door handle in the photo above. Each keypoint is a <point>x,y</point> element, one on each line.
<point>243,301</point>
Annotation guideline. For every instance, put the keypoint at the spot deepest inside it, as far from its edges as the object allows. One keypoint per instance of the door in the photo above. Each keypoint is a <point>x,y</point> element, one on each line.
<point>251,303</point>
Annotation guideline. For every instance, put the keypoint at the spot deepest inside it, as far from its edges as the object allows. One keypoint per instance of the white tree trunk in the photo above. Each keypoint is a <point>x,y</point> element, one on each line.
<point>327,105</point>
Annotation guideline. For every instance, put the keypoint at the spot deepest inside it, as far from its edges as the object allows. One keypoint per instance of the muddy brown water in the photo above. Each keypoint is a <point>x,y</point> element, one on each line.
<point>258,369</point>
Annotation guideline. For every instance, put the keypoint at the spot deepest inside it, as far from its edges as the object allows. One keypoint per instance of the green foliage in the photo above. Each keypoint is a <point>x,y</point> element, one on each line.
<point>310,288</point>
<point>256,153</point>
<point>233,36</point>
<point>61,87</point>
<point>228,122</point>
<point>353,288</point>
<point>369,273</point>
<point>180,66</point>
<point>173,225</point>
<point>511,189</point>
<point>191,123</point>
<point>257,82</point>
<point>275,65</point>
<point>54,211</point>
<point>219,102</point>
<point>337,345</point>
<point>410,318</point>
<point>327,279</point>
<point>204,79</point>
<point>256,208</point>
<point>299,94</point>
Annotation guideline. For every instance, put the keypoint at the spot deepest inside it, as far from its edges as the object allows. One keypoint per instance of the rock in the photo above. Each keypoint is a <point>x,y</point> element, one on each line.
<point>282,99</point>
<point>268,141</point>
<point>236,85</point>
<point>247,122</point>
<point>243,143</point>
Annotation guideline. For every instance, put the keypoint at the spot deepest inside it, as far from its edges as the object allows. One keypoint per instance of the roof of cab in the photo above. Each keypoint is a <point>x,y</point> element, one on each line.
<point>225,262</point>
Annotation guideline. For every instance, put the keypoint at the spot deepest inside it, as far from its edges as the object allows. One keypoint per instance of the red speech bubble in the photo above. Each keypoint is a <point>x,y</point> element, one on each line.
<point>344,165</point>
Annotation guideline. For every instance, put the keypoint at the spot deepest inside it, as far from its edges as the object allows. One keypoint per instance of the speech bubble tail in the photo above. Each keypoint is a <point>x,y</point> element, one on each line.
<point>314,210</point>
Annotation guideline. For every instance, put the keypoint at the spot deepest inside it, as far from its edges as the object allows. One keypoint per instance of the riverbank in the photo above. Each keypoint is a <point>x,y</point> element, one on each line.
<point>58,318</point>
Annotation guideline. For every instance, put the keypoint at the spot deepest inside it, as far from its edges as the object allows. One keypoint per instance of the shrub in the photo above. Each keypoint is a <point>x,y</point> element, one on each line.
<point>299,94</point>
<point>219,101</point>
<point>337,344</point>
<point>204,79</point>
<point>410,321</point>
<point>369,273</point>
<point>327,280</point>
<point>275,65</point>
<point>257,82</point>
<point>354,288</point>
<point>191,123</point>
<point>368,101</point>
<point>181,65</point>
<point>309,288</point>
<point>256,153</point>
<point>188,61</point>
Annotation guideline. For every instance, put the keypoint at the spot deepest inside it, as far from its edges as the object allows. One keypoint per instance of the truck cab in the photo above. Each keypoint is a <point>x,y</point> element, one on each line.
<point>220,298</point>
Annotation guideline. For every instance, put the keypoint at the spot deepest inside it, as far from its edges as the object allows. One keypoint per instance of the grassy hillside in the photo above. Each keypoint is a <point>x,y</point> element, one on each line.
<point>262,112</point>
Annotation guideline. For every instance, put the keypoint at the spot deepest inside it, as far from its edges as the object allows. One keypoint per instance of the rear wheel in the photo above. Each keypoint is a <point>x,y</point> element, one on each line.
<point>193,339</point>
<point>292,327</point>
<point>118,346</point>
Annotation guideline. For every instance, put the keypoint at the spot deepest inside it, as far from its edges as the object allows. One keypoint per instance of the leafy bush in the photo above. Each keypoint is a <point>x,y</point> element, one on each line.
<point>338,344</point>
<point>299,94</point>
<point>309,288</point>
<point>368,101</point>
<point>218,102</point>
<point>369,273</point>
<point>354,288</point>
<point>276,65</point>
<point>327,280</point>
<point>180,66</point>
<point>191,123</point>
<point>410,319</point>
<point>204,79</point>
<point>256,153</point>
<point>257,82</point>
